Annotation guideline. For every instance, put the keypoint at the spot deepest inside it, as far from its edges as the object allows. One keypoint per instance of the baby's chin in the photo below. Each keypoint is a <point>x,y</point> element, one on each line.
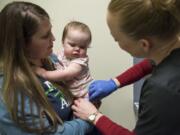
<point>78,56</point>
<point>73,57</point>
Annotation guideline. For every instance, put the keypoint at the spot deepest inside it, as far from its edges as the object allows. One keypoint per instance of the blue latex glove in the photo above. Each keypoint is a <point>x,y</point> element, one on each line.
<point>101,88</point>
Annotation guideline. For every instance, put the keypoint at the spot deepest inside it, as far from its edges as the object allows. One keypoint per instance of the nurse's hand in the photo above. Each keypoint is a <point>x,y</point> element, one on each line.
<point>101,88</point>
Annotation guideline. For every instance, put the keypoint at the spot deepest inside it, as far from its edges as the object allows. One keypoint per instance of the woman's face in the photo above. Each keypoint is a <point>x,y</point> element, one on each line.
<point>125,42</point>
<point>41,43</point>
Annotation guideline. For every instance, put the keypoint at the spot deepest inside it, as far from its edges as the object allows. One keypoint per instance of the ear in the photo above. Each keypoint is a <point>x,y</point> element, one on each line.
<point>145,44</point>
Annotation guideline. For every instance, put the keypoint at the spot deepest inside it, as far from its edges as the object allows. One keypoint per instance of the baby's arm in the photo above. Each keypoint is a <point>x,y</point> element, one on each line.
<point>68,73</point>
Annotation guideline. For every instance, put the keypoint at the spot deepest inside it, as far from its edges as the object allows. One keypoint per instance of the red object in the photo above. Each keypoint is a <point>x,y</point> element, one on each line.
<point>135,73</point>
<point>138,71</point>
<point>108,127</point>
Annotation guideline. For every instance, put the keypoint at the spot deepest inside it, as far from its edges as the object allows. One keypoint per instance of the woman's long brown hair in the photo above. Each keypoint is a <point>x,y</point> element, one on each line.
<point>22,92</point>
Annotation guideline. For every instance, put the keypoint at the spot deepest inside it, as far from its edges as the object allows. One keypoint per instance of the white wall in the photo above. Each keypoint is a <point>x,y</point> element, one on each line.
<point>106,58</point>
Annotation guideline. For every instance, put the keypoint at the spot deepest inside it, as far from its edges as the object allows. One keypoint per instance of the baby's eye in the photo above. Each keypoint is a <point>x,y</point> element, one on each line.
<point>83,47</point>
<point>72,45</point>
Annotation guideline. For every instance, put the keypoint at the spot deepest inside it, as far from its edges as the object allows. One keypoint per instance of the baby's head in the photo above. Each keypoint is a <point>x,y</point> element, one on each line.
<point>76,39</point>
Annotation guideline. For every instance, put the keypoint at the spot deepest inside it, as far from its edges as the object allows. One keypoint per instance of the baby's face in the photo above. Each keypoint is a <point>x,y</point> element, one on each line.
<point>75,44</point>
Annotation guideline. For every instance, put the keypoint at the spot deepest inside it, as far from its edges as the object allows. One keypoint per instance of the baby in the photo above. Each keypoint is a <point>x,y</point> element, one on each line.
<point>72,61</point>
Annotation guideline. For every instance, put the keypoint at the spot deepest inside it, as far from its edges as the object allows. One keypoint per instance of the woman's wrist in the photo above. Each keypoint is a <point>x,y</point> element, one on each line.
<point>98,116</point>
<point>116,82</point>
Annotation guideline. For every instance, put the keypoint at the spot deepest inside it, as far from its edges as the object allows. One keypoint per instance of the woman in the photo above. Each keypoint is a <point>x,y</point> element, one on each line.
<point>28,103</point>
<point>146,29</point>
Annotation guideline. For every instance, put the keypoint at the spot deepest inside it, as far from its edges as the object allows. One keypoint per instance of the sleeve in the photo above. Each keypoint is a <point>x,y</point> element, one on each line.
<point>7,126</point>
<point>135,73</point>
<point>73,127</point>
<point>107,127</point>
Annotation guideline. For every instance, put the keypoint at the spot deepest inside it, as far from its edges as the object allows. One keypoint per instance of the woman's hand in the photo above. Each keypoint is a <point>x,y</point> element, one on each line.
<point>83,108</point>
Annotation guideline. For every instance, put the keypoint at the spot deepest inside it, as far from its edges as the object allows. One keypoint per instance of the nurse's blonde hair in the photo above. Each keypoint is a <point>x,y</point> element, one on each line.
<point>141,18</point>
